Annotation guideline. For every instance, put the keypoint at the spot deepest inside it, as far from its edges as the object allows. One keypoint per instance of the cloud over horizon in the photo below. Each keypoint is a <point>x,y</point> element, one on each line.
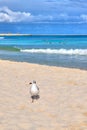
<point>7,15</point>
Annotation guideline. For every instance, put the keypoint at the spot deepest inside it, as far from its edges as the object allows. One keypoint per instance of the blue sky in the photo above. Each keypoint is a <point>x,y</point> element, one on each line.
<point>42,11</point>
<point>43,16</point>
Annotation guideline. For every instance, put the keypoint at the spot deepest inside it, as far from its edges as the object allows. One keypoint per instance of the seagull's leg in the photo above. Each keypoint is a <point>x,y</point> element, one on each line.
<point>32,99</point>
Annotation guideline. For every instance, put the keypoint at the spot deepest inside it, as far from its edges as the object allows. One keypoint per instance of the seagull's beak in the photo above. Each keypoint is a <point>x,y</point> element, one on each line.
<point>30,83</point>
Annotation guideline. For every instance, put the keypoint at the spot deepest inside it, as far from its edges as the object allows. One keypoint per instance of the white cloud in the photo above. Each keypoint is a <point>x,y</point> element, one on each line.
<point>7,15</point>
<point>84,17</point>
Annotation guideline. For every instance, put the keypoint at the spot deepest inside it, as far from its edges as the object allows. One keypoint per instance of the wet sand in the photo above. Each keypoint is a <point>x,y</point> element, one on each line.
<point>63,97</point>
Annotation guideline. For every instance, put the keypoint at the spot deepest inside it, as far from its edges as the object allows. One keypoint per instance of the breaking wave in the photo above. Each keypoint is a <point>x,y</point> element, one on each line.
<point>57,51</point>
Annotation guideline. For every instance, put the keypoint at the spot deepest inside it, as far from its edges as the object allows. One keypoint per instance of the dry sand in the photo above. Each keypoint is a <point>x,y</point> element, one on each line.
<point>63,97</point>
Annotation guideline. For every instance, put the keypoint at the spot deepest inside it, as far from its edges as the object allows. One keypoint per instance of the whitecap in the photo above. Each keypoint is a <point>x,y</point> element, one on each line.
<point>57,51</point>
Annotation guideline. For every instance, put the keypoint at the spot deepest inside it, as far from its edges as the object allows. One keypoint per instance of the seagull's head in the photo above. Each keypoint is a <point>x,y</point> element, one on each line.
<point>34,82</point>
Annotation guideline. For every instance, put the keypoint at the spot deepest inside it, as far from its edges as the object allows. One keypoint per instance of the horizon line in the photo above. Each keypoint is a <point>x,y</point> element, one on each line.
<point>26,34</point>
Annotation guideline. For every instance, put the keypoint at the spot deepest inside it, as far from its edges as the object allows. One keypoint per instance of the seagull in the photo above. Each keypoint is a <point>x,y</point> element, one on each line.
<point>34,90</point>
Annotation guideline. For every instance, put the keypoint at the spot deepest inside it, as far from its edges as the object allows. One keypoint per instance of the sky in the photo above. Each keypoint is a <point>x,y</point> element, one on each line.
<point>66,11</point>
<point>43,11</point>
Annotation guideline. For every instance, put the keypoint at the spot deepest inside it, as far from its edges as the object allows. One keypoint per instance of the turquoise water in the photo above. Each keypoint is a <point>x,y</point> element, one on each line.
<point>55,50</point>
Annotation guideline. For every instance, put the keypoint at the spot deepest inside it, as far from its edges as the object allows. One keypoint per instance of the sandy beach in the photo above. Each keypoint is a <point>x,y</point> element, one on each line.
<point>63,97</point>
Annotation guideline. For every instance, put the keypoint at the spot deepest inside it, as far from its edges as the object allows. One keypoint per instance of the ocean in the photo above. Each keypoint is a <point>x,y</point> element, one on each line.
<point>54,50</point>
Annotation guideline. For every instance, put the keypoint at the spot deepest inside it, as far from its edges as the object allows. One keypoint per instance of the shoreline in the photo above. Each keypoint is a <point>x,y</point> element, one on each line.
<point>37,64</point>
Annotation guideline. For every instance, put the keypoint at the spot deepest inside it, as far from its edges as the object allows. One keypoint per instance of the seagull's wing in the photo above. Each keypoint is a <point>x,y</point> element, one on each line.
<point>37,87</point>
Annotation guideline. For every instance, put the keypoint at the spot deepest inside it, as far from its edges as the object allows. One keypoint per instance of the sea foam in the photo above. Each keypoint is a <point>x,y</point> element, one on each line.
<point>57,51</point>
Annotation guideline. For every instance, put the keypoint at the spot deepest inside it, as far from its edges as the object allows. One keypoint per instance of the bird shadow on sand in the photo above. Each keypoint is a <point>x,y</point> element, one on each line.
<point>35,97</point>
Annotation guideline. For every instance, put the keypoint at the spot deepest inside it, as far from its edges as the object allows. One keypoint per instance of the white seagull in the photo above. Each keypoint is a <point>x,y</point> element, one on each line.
<point>34,90</point>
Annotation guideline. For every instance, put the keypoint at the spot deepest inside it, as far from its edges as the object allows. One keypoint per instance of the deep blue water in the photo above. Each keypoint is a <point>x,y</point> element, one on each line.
<point>55,50</point>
